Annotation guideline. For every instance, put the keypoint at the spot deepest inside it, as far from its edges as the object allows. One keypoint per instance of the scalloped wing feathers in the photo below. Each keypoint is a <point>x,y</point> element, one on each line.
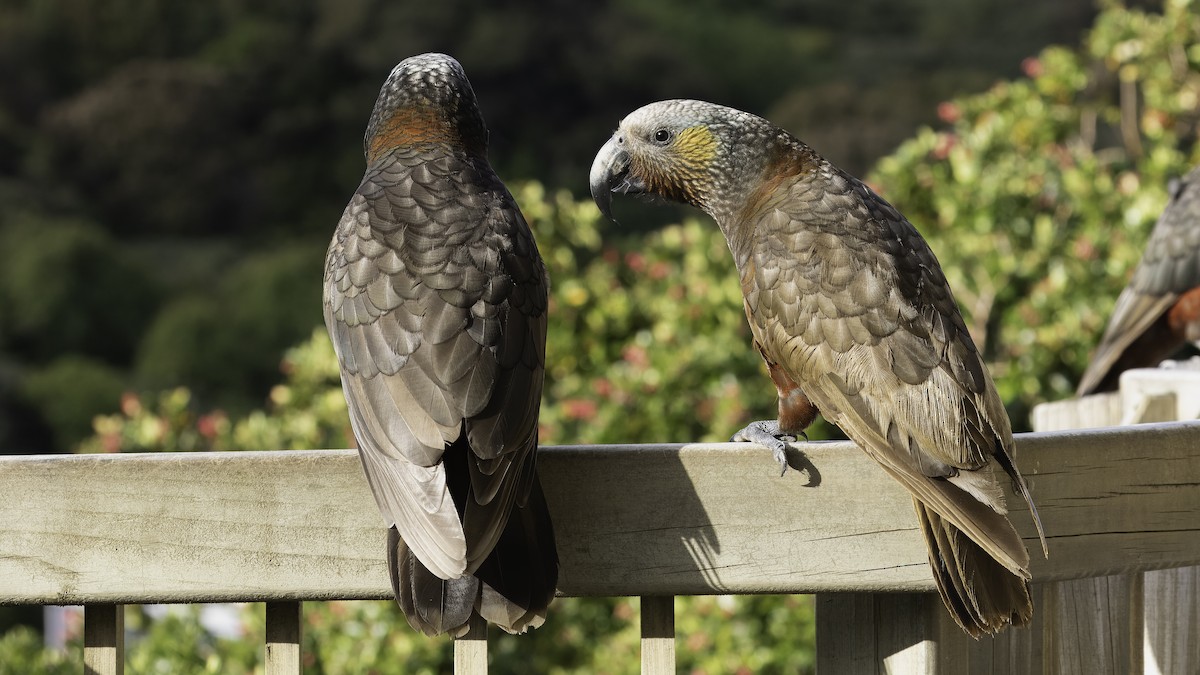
<point>435,299</point>
<point>846,296</point>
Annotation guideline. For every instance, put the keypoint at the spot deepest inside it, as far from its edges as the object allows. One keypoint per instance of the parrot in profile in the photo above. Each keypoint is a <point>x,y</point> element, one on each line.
<point>1159,311</point>
<point>850,311</point>
<point>435,300</point>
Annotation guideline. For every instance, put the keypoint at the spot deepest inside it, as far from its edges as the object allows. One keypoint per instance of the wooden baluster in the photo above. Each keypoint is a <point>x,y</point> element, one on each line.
<point>470,650</point>
<point>104,639</point>
<point>658,635</point>
<point>284,633</point>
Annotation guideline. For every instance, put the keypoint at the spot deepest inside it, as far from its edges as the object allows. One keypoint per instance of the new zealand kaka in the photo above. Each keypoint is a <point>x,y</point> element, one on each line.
<point>1159,311</point>
<point>435,299</point>
<point>851,312</point>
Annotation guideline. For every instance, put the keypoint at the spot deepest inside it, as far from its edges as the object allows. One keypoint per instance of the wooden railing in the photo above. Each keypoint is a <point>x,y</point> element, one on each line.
<point>653,520</point>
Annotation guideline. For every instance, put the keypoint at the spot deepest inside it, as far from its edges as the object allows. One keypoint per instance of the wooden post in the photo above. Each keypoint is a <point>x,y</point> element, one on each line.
<point>103,639</point>
<point>901,633</point>
<point>1136,588</point>
<point>1092,624</point>
<point>878,633</point>
<point>471,650</point>
<point>1095,625</point>
<point>658,634</point>
<point>284,635</point>
<point>1171,605</point>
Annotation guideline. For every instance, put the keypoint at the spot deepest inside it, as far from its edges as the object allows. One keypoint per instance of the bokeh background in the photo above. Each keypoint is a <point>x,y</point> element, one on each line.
<point>170,175</point>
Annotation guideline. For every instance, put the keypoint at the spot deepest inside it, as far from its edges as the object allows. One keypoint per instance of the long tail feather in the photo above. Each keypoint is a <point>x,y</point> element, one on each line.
<point>431,604</point>
<point>982,595</point>
<point>518,578</point>
<point>520,575</point>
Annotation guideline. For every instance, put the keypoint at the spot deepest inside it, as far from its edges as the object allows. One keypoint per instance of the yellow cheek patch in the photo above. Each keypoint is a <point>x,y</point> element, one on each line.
<point>696,147</point>
<point>680,171</point>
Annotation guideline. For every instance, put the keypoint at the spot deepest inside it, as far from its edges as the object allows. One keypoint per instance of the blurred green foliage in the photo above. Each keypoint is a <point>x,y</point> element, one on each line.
<point>176,642</point>
<point>68,288</point>
<point>165,167</point>
<point>64,391</point>
<point>21,652</point>
<point>1038,196</point>
<point>224,341</point>
<point>584,636</point>
<point>74,304</point>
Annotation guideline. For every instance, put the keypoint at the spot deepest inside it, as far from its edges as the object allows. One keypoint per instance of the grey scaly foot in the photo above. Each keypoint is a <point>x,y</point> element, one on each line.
<point>767,434</point>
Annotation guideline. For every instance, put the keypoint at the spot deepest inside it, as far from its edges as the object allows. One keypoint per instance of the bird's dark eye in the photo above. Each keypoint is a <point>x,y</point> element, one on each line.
<point>662,136</point>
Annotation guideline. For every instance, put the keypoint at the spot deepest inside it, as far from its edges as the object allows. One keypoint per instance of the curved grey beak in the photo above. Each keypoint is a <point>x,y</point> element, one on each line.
<point>610,173</point>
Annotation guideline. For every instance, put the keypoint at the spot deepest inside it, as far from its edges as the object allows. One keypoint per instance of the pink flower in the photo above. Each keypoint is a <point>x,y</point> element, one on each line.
<point>945,144</point>
<point>948,112</point>
<point>636,355</point>
<point>579,409</point>
<point>131,405</point>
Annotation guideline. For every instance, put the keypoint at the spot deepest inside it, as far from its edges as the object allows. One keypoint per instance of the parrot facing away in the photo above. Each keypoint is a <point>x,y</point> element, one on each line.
<point>1159,311</point>
<point>852,315</point>
<point>435,299</point>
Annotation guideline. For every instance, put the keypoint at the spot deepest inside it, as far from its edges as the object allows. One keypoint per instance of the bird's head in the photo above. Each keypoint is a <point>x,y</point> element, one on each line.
<point>426,99</point>
<point>687,151</point>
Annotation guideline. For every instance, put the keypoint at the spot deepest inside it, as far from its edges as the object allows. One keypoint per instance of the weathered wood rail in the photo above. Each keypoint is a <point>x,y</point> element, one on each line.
<point>651,520</point>
<point>1139,622</point>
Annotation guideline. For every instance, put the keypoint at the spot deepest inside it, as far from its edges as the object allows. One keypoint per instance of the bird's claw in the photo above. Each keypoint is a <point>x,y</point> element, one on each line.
<point>767,434</point>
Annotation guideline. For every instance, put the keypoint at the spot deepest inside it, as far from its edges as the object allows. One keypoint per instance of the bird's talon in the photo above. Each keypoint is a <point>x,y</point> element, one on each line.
<point>767,434</point>
<point>780,453</point>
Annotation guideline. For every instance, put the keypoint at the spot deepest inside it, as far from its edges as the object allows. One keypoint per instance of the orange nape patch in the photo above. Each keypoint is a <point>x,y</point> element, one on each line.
<point>785,165</point>
<point>411,126</point>
<point>1184,315</point>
